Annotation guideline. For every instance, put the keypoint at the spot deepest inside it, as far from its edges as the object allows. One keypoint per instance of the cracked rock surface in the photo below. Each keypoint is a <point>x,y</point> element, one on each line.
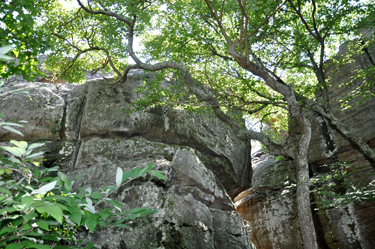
<point>87,132</point>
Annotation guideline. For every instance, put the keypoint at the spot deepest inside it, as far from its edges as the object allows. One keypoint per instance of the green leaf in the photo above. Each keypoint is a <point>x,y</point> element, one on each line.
<point>47,187</point>
<point>62,206</point>
<point>14,245</point>
<point>135,172</point>
<point>158,174</point>
<point>75,178</point>
<point>135,210</point>
<point>29,216</point>
<point>105,213</point>
<point>43,225</point>
<point>121,225</point>
<point>115,203</point>
<point>36,173</point>
<point>35,155</point>
<point>26,227</point>
<point>40,246</point>
<point>8,210</point>
<point>88,190</point>
<point>147,212</point>
<point>28,243</point>
<point>9,128</point>
<point>7,230</point>
<point>119,221</point>
<point>45,179</point>
<point>75,214</point>
<point>3,51</point>
<point>48,208</point>
<point>68,185</point>
<point>51,237</point>
<point>2,197</point>
<point>119,176</point>
<point>16,151</point>
<point>96,195</point>
<point>28,200</point>
<point>132,216</point>
<point>90,245</point>
<point>126,175</point>
<point>146,170</point>
<point>35,145</point>
<point>17,221</point>
<point>91,220</point>
<point>5,191</point>
<point>62,176</point>
<point>19,144</point>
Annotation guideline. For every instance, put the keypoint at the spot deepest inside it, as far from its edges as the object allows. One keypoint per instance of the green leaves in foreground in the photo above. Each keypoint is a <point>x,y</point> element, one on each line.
<point>39,210</point>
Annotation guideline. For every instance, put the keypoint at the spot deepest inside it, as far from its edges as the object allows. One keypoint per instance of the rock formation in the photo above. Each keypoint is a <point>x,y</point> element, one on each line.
<point>87,132</point>
<point>269,206</point>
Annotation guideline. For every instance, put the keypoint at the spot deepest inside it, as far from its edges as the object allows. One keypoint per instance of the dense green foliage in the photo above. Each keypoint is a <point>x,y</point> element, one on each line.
<point>40,210</point>
<point>263,59</point>
<point>292,39</point>
<point>39,207</point>
<point>18,29</point>
<point>342,185</point>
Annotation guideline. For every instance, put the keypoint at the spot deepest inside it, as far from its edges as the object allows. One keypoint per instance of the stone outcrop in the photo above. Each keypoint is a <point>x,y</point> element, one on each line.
<point>87,132</point>
<point>269,206</point>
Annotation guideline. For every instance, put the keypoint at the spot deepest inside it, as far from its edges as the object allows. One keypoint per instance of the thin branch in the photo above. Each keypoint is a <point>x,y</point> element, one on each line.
<point>266,20</point>
<point>105,12</point>
<point>214,14</point>
<point>111,62</point>
<point>298,12</point>
<point>125,73</point>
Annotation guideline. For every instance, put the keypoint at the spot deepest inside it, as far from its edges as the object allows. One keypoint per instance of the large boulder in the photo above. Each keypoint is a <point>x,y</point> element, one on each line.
<point>87,132</point>
<point>194,210</point>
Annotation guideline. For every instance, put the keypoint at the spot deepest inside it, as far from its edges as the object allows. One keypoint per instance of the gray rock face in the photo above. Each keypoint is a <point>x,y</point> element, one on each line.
<point>270,208</point>
<point>87,132</point>
<point>360,118</point>
<point>269,205</point>
<point>194,211</point>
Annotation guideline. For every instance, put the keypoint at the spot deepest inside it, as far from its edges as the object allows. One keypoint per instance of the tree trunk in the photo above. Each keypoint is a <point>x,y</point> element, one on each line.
<point>344,131</point>
<point>303,190</point>
<point>353,139</point>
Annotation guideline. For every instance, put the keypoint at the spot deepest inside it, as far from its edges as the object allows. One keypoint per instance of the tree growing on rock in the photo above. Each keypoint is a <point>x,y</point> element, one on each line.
<point>260,58</point>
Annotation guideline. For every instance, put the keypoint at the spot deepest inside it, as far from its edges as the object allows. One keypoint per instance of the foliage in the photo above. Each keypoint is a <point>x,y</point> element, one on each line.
<point>362,84</point>
<point>342,186</point>
<point>279,158</point>
<point>18,28</point>
<point>260,58</point>
<point>292,40</point>
<point>40,210</point>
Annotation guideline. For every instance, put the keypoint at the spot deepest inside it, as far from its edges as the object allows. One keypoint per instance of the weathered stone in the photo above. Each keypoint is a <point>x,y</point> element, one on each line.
<point>43,108</point>
<point>194,212</point>
<point>270,206</point>
<point>272,212</point>
<point>103,116</point>
<point>93,136</point>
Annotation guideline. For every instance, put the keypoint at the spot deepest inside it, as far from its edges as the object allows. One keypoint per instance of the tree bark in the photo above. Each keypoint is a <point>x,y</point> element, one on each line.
<point>303,190</point>
<point>295,110</point>
<point>344,131</point>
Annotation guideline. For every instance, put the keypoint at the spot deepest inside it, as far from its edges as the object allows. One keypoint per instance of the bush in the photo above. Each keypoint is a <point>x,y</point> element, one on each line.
<point>338,187</point>
<point>39,208</point>
<point>42,211</point>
